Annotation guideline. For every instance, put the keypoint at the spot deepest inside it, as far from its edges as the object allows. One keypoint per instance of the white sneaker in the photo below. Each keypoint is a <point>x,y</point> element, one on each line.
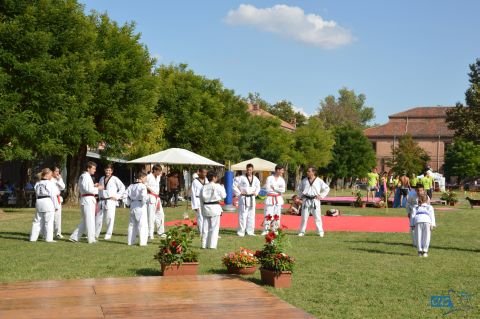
<point>425,255</point>
<point>59,236</point>
<point>321,234</point>
<point>252,235</point>
<point>73,240</point>
<point>240,235</point>
<point>264,233</point>
<point>107,238</point>
<point>301,234</point>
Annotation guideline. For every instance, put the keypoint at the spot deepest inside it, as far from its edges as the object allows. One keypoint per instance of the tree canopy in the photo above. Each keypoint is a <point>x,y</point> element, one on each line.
<point>408,157</point>
<point>464,119</point>
<point>462,159</point>
<point>348,109</point>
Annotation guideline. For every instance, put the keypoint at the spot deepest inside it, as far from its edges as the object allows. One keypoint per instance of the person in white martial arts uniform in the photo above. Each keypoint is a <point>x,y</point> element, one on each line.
<point>311,190</point>
<point>423,221</point>
<point>136,197</point>
<point>45,207</point>
<point>113,190</point>
<point>246,188</point>
<point>412,201</point>
<point>59,186</point>
<point>155,214</point>
<point>210,196</point>
<point>275,187</point>
<point>88,204</point>
<point>197,186</point>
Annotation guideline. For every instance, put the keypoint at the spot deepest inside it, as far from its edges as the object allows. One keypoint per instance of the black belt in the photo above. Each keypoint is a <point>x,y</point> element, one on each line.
<point>309,197</point>
<point>105,198</point>
<point>211,203</point>
<point>40,197</point>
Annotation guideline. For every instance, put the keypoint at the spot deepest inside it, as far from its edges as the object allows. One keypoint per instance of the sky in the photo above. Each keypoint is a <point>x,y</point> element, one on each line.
<point>399,54</point>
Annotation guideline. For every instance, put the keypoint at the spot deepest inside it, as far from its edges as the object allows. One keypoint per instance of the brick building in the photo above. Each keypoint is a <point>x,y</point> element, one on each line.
<point>255,110</point>
<point>426,125</point>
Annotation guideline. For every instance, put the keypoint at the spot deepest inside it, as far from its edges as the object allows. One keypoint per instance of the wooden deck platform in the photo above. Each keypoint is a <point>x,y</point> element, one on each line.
<point>211,296</point>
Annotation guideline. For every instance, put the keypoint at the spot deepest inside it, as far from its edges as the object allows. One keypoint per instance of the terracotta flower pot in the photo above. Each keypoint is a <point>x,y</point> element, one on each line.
<point>241,270</point>
<point>281,279</point>
<point>183,269</point>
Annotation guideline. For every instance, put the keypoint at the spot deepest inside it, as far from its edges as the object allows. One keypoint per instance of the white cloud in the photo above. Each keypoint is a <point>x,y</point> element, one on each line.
<point>300,110</point>
<point>291,22</point>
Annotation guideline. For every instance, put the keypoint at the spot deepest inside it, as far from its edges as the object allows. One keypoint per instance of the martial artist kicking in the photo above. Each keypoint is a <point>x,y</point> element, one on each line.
<point>210,196</point>
<point>88,204</point>
<point>155,214</point>
<point>246,188</point>
<point>59,186</point>
<point>113,190</point>
<point>45,207</point>
<point>197,186</point>
<point>275,186</point>
<point>311,190</point>
<point>423,221</point>
<point>136,197</point>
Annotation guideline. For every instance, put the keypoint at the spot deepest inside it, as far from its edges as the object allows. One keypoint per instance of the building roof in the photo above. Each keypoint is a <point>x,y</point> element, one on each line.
<point>257,111</point>
<point>418,122</point>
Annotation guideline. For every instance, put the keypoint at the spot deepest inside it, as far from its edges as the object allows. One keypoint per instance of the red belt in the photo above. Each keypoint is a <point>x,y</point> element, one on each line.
<point>157,197</point>
<point>153,194</point>
<point>275,197</point>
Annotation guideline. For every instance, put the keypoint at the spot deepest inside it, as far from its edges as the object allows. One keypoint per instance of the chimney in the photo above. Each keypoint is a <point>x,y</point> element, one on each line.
<point>255,107</point>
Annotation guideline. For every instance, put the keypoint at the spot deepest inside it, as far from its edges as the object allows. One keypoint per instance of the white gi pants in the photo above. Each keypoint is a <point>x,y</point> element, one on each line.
<point>422,236</point>
<point>160,219</point>
<point>42,221</point>
<point>151,214</point>
<point>138,225</point>
<point>272,210</point>
<point>87,223</point>
<point>107,213</point>
<point>57,221</point>
<point>246,216</point>
<point>198,215</point>
<point>311,206</point>
<point>211,227</point>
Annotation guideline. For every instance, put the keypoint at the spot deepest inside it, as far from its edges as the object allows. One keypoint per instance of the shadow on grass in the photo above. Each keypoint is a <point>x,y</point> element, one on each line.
<point>376,251</point>
<point>147,272</point>
<point>15,235</point>
<point>410,245</point>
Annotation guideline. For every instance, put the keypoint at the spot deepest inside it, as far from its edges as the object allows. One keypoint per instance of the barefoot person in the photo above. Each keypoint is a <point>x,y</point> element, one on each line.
<point>88,204</point>
<point>275,186</point>
<point>45,207</point>
<point>311,190</point>
<point>59,186</point>
<point>136,197</point>
<point>210,196</point>
<point>246,188</point>
<point>109,196</point>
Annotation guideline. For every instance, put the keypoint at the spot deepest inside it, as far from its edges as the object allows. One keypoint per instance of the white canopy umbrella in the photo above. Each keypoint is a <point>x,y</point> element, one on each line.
<point>175,156</point>
<point>258,165</point>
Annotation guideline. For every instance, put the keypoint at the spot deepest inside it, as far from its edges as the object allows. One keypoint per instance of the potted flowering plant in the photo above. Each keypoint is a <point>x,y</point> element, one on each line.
<point>242,262</point>
<point>175,253</point>
<point>276,266</point>
<point>359,200</point>
<point>450,197</point>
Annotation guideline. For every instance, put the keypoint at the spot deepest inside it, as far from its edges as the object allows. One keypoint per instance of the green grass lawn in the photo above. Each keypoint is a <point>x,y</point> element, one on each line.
<point>343,275</point>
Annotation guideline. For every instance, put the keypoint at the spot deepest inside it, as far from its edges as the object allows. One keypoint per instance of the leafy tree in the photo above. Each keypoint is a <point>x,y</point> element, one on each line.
<point>284,110</point>
<point>347,109</point>
<point>353,155</point>
<point>463,159</point>
<point>200,114</point>
<point>254,98</point>
<point>464,119</point>
<point>408,157</point>
<point>72,81</point>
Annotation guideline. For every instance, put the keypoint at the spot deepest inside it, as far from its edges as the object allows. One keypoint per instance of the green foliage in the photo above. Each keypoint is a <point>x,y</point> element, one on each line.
<point>408,157</point>
<point>462,159</point>
<point>176,246</point>
<point>272,256</point>
<point>353,155</point>
<point>313,144</point>
<point>464,119</point>
<point>349,109</point>
<point>449,196</point>
<point>284,111</point>
<point>240,259</point>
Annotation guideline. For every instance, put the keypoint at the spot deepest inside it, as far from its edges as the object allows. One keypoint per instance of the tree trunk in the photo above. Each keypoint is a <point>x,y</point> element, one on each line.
<point>75,164</point>
<point>298,176</point>
<point>25,176</point>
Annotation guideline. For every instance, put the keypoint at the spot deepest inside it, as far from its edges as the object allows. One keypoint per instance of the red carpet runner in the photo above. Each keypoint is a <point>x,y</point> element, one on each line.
<point>371,224</point>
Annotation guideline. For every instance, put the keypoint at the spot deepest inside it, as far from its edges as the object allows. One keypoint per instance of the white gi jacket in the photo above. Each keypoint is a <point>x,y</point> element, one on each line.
<point>210,195</point>
<point>196,189</point>
<point>113,188</point>
<point>153,183</point>
<point>309,191</point>
<point>59,186</point>
<point>275,188</point>
<point>87,189</point>
<point>423,214</point>
<point>46,193</point>
<point>251,189</point>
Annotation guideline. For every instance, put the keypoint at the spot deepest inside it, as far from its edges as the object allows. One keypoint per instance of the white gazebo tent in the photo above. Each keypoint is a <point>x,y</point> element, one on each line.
<point>258,165</point>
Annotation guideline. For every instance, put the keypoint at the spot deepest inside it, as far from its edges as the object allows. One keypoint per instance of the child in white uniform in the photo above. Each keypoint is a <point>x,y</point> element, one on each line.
<point>423,222</point>
<point>137,197</point>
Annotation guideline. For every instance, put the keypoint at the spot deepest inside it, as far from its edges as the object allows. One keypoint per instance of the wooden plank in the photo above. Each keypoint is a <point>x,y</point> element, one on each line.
<point>49,313</point>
